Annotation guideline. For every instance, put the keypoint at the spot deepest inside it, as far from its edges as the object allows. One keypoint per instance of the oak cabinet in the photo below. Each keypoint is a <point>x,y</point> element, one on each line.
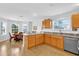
<point>47,39</point>
<point>34,40</point>
<point>75,20</point>
<point>57,41</point>
<point>31,41</point>
<point>47,23</point>
<point>43,24</point>
<point>60,42</point>
<point>39,39</point>
<point>52,40</point>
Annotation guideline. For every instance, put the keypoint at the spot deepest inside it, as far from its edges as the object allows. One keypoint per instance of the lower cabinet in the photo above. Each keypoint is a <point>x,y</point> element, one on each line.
<point>47,39</point>
<point>60,42</point>
<point>39,39</point>
<point>53,40</point>
<point>34,40</point>
<point>31,41</point>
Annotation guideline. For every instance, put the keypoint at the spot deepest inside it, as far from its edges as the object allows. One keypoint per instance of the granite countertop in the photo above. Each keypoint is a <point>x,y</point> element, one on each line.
<point>33,33</point>
<point>70,35</point>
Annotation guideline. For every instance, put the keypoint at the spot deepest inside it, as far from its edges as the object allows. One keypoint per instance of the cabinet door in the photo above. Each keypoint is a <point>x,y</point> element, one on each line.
<point>60,43</point>
<point>47,23</point>
<point>47,39</point>
<point>75,21</point>
<point>43,24</point>
<point>39,39</point>
<point>54,42</point>
<point>42,38</point>
<point>31,41</point>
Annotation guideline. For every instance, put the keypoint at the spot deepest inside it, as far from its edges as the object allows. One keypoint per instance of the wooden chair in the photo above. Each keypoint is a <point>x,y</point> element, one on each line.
<point>19,37</point>
<point>10,37</point>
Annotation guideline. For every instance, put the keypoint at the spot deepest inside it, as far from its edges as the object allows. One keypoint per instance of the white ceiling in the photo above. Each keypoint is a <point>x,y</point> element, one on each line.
<point>29,10</point>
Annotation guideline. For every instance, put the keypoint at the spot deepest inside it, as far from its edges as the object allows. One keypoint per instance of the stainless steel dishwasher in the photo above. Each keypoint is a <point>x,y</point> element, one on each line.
<point>71,44</point>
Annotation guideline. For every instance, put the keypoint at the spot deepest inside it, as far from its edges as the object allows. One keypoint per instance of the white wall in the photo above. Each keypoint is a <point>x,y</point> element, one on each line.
<point>37,21</point>
<point>8,27</point>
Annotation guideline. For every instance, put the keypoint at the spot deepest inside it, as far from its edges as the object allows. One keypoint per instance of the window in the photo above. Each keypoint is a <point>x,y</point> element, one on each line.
<point>58,24</point>
<point>24,28</point>
<point>62,24</point>
<point>3,28</point>
<point>14,28</point>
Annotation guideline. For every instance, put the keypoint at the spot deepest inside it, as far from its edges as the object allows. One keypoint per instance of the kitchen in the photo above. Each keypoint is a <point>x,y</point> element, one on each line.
<point>68,41</point>
<point>51,24</point>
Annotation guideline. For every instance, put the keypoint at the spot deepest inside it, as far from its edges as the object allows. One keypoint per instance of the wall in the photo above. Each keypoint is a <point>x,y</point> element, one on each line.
<point>8,27</point>
<point>38,21</point>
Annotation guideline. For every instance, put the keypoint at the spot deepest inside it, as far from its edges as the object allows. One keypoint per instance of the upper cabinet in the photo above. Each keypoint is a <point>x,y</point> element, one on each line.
<point>75,21</point>
<point>47,23</point>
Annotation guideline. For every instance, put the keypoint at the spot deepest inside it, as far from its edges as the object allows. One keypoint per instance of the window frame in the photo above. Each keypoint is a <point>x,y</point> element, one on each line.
<point>3,27</point>
<point>14,29</point>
